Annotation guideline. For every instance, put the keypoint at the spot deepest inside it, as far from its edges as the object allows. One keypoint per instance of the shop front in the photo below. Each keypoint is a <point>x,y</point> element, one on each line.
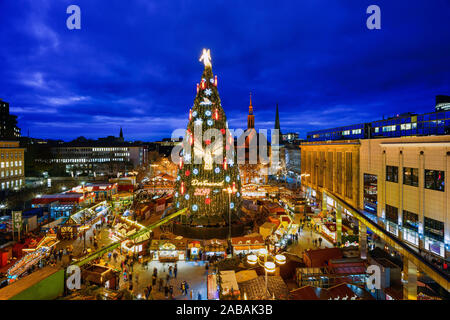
<point>215,248</point>
<point>435,246</point>
<point>168,250</point>
<point>137,246</point>
<point>194,250</point>
<point>247,245</point>
<point>103,276</point>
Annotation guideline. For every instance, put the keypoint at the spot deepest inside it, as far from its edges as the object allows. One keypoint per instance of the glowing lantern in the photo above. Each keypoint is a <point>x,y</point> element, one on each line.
<point>269,266</point>
<point>215,81</point>
<point>280,259</point>
<point>252,259</point>
<point>225,164</point>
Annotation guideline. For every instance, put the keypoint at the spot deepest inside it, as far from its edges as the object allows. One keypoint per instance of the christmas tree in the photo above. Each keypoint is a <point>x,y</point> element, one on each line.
<point>208,182</point>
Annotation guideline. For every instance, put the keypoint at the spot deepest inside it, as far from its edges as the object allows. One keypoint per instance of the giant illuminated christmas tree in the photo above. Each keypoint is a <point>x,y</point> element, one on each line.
<point>208,182</point>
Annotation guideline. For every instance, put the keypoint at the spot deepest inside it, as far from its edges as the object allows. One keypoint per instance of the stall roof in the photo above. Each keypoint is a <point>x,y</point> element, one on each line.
<point>246,275</point>
<point>179,244</point>
<point>340,291</point>
<point>253,240</point>
<point>255,288</point>
<point>304,293</point>
<point>228,281</point>
<point>61,197</point>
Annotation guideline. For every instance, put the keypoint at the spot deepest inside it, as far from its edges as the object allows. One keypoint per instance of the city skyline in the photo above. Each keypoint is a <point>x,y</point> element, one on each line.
<point>68,83</point>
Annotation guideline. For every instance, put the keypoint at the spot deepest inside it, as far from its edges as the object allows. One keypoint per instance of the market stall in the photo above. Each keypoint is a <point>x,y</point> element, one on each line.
<point>228,284</point>
<point>168,250</point>
<point>215,248</point>
<point>194,250</point>
<point>104,276</point>
<point>248,244</point>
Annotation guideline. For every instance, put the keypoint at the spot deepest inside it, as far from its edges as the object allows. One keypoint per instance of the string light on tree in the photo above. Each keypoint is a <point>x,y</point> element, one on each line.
<point>201,184</point>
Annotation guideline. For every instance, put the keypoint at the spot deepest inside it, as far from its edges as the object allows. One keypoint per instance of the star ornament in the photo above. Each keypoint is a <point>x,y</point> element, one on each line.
<point>208,92</point>
<point>198,122</point>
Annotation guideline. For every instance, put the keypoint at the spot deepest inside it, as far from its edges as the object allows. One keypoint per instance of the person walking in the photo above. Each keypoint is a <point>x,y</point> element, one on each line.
<point>320,242</point>
<point>166,290</point>
<point>175,271</point>
<point>183,288</point>
<point>161,284</point>
<point>207,267</point>
<point>154,280</point>
<point>199,296</point>
<point>171,292</point>
<point>170,271</point>
<point>186,287</point>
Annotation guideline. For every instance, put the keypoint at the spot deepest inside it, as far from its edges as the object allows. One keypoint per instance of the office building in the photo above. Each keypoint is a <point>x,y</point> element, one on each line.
<point>8,123</point>
<point>12,174</point>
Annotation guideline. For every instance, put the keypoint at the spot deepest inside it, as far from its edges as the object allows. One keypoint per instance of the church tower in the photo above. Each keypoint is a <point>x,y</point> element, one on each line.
<point>277,121</point>
<point>250,117</point>
<point>121,135</point>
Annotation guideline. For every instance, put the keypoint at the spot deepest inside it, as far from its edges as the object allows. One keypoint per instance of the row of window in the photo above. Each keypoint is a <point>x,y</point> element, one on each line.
<point>11,164</point>
<point>432,228</point>
<point>11,184</point>
<point>16,155</point>
<point>434,179</point>
<point>354,131</point>
<point>11,173</point>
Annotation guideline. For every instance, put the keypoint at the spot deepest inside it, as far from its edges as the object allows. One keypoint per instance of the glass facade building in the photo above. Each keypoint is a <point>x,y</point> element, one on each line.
<point>433,123</point>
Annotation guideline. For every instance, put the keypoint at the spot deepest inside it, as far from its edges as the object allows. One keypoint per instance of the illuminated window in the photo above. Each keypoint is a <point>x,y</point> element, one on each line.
<point>435,180</point>
<point>392,174</point>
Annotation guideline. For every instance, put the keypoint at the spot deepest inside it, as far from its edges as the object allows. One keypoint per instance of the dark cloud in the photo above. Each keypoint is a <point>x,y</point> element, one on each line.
<point>135,63</point>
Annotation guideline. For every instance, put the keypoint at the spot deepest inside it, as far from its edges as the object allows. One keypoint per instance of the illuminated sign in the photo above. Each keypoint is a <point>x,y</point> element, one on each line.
<point>206,183</point>
<point>202,191</point>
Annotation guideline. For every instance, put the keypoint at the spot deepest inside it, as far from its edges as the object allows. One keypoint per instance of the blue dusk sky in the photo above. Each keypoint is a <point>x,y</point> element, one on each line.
<point>135,63</point>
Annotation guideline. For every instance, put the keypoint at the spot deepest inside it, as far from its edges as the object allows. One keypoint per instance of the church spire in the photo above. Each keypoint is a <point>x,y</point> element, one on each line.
<point>121,133</point>
<point>277,120</point>
<point>250,117</point>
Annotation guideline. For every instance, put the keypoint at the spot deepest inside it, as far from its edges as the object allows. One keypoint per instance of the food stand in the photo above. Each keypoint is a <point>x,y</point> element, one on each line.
<point>195,251</point>
<point>103,276</point>
<point>215,248</point>
<point>249,244</point>
<point>168,250</point>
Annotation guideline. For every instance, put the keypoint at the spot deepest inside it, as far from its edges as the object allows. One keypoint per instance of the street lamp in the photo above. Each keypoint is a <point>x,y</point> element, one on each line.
<point>230,191</point>
<point>265,260</point>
